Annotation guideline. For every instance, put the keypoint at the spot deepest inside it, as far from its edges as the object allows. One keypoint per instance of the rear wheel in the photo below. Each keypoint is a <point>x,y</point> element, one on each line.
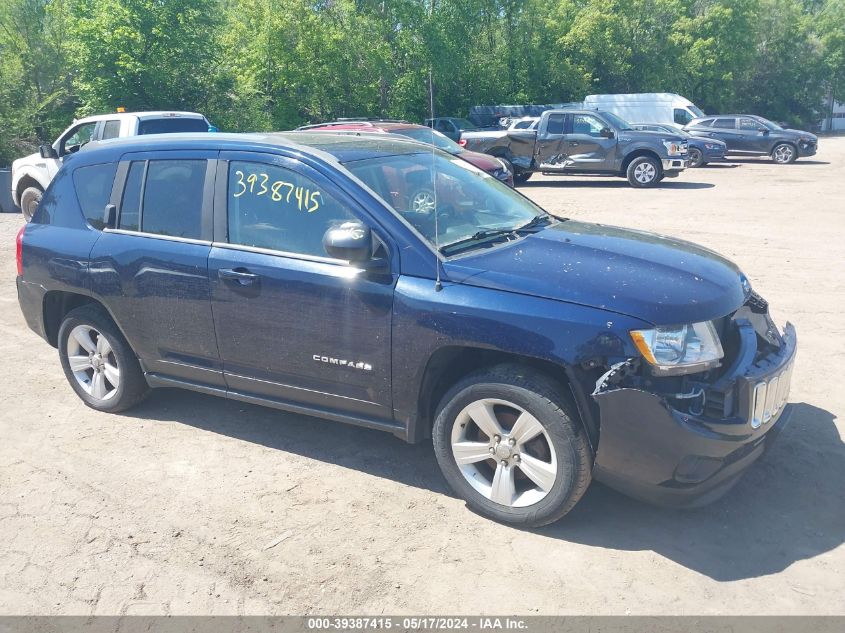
<point>521,177</point>
<point>784,153</point>
<point>644,171</point>
<point>508,443</point>
<point>30,199</point>
<point>99,364</point>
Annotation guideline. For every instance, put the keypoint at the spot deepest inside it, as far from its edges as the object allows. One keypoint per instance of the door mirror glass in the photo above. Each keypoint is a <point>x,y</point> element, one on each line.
<point>606,132</point>
<point>47,151</point>
<point>351,241</point>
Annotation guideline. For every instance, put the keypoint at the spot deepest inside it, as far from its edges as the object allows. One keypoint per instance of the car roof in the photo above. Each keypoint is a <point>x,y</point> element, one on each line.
<point>149,114</point>
<point>364,126</point>
<point>321,145</point>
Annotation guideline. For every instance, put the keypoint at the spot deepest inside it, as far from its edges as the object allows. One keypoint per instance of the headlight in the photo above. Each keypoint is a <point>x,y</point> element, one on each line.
<point>680,349</point>
<point>674,148</point>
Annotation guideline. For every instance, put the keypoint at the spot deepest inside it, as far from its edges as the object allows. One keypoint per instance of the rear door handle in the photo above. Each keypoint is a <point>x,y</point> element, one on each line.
<point>239,275</point>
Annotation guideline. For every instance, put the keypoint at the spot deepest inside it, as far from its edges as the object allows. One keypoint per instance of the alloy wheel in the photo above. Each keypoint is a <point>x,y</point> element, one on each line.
<point>784,153</point>
<point>645,173</point>
<point>422,202</point>
<point>93,362</point>
<point>504,452</point>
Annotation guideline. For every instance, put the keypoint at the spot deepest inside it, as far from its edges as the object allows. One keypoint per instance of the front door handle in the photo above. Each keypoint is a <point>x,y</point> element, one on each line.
<point>239,275</point>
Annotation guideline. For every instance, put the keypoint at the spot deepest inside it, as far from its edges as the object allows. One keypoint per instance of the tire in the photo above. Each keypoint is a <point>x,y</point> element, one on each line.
<point>555,448</point>
<point>521,177</point>
<point>30,199</point>
<point>422,200</point>
<point>644,171</point>
<point>696,157</point>
<point>89,331</point>
<point>784,153</point>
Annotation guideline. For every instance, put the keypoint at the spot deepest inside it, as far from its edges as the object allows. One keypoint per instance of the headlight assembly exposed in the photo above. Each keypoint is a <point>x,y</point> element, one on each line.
<point>680,349</point>
<point>674,148</point>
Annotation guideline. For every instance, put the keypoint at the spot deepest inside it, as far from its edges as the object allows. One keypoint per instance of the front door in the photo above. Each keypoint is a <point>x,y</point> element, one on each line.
<point>293,324</point>
<point>585,148</point>
<point>753,136</point>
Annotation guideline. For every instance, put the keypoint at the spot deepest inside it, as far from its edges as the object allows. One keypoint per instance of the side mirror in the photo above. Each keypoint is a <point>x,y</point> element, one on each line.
<point>606,132</point>
<point>47,151</point>
<point>351,241</point>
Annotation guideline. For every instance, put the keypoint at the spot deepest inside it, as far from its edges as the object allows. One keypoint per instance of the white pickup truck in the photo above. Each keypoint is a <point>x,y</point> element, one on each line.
<point>31,174</point>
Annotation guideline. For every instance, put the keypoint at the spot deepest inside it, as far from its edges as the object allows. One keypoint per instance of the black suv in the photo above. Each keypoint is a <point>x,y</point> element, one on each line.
<point>293,271</point>
<point>752,135</point>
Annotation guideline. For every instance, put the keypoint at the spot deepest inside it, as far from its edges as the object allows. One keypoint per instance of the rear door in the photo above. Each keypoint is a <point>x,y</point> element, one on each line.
<point>151,270</point>
<point>293,324</point>
<point>724,129</point>
<point>549,150</point>
<point>584,146</point>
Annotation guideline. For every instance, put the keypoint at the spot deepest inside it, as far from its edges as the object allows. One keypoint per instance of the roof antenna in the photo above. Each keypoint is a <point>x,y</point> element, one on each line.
<point>438,284</point>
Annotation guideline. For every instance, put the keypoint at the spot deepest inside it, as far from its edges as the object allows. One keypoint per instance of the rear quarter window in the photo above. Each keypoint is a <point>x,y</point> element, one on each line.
<point>93,185</point>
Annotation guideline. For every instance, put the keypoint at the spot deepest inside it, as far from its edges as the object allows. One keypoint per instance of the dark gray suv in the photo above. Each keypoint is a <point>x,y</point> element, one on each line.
<point>752,135</point>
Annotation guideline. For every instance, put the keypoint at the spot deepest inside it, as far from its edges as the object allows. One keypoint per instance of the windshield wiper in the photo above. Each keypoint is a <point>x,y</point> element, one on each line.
<point>537,220</point>
<point>479,237</point>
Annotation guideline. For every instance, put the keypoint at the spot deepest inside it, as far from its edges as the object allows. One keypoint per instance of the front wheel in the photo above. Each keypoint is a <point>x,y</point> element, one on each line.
<point>30,199</point>
<point>784,153</point>
<point>520,177</point>
<point>509,444</point>
<point>695,156</point>
<point>99,364</point>
<point>644,171</point>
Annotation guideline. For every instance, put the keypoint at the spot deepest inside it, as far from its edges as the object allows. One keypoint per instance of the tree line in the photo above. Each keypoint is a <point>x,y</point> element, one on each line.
<point>276,64</point>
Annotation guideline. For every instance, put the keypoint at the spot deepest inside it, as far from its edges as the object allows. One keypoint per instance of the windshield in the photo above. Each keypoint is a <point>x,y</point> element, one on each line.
<point>695,110</point>
<point>769,124</point>
<point>619,124</point>
<point>465,125</point>
<point>432,137</point>
<point>467,200</point>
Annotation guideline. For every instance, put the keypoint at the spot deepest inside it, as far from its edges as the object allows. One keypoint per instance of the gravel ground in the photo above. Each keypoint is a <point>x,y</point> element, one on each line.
<point>195,505</point>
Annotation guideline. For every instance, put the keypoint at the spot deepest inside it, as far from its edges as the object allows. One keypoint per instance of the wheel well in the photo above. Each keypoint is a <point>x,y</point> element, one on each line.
<point>27,181</point>
<point>448,365</point>
<point>792,143</point>
<point>636,154</point>
<point>56,306</point>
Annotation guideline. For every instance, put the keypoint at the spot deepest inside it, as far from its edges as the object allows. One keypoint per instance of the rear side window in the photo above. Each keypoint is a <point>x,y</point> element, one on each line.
<point>111,129</point>
<point>164,197</point>
<point>555,124</point>
<point>93,186</point>
<point>172,124</point>
<point>727,124</point>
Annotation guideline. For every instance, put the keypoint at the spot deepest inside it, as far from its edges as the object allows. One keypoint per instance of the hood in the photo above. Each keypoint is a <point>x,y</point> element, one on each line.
<point>647,135</point>
<point>482,161</point>
<point>29,159</point>
<point>658,279</point>
<point>796,134</point>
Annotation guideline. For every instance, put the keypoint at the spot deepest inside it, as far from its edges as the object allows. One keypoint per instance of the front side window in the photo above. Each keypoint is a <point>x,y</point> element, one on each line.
<point>586,124</point>
<point>555,124</point>
<point>726,124</point>
<point>682,116</point>
<point>164,197</point>
<point>78,137</point>
<point>467,200</point>
<point>277,208</point>
<point>750,125</point>
<point>93,186</point>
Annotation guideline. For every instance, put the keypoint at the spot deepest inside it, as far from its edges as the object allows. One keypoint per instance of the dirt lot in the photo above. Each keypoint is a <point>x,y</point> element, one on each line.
<point>175,507</point>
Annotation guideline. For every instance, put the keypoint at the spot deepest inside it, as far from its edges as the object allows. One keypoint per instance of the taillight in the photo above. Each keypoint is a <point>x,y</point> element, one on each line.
<point>462,143</point>
<point>19,249</point>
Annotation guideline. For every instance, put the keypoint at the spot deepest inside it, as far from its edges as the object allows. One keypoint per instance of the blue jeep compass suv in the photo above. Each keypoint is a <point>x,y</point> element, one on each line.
<point>292,271</point>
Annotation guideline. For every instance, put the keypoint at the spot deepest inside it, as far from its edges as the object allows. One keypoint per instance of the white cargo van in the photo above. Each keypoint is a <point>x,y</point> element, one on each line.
<point>647,107</point>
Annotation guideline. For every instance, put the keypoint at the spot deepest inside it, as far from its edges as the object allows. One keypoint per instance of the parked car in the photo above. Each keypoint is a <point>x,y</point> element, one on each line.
<point>450,126</point>
<point>497,168</point>
<point>700,149</point>
<point>649,107</point>
<point>482,140</point>
<point>592,143</point>
<point>752,135</point>
<point>289,270</point>
<point>31,174</point>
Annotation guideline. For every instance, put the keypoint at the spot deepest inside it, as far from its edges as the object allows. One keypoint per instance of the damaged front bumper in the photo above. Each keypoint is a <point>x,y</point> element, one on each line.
<point>650,449</point>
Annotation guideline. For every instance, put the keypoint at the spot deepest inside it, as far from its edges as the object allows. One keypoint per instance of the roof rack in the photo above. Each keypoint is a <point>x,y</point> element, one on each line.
<point>347,120</point>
